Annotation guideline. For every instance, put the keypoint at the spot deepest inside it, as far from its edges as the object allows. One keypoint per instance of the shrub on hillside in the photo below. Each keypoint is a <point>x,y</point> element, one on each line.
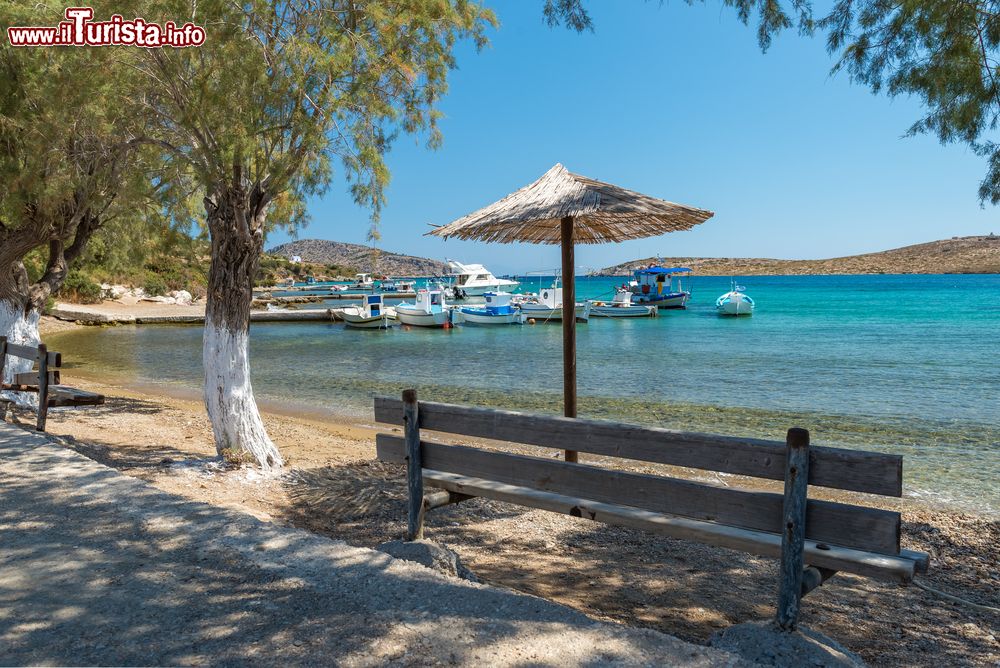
<point>81,288</point>
<point>154,285</point>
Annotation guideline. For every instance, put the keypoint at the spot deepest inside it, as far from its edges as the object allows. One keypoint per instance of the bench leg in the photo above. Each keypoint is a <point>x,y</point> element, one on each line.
<point>794,527</point>
<point>43,386</point>
<point>414,470</point>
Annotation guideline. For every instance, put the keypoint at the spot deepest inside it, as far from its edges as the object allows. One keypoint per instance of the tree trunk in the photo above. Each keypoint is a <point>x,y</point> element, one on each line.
<point>235,221</point>
<point>19,323</point>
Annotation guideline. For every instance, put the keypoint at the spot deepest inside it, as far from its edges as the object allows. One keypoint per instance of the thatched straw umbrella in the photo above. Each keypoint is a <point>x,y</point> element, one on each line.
<point>566,208</point>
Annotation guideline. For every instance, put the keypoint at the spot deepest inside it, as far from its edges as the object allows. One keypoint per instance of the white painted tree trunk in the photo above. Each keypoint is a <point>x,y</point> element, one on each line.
<point>21,328</point>
<point>229,399</point>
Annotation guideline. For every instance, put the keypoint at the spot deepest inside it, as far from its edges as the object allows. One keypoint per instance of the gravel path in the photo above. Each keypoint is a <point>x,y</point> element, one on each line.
<point>100,568</point>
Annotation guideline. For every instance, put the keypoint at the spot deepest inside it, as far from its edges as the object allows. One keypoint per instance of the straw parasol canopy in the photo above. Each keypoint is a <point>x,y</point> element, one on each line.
<point>566,208</point>
<point>601,213</point>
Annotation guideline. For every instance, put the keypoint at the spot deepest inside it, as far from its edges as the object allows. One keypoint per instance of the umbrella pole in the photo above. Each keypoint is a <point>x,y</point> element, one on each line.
<point>569,324</point>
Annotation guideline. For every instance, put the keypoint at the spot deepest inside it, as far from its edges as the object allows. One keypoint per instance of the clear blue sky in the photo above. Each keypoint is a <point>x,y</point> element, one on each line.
<point>676,101</point>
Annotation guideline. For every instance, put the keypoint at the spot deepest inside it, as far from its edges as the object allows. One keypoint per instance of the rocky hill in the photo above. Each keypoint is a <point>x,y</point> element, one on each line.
<point>958,255</point>
<point>361,258</point>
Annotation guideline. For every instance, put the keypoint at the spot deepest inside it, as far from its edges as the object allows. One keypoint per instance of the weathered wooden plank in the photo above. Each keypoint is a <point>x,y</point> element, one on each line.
<point>793,529</point>
<point>414,466</point>
<point>836,523</point>
<point>31,353</point>
<point>814,577</point>
<point>442,498</point>
<point>69,396</point>
<point>839,468</point>
<point>922,560</point>
<point>31,378</point>
<point>860,562</point>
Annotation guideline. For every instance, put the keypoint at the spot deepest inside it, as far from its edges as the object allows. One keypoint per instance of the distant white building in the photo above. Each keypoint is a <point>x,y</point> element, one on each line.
<point>296,259</point>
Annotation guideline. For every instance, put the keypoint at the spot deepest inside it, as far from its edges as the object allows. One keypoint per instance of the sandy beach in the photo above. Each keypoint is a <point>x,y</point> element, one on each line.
<point>333,486</point>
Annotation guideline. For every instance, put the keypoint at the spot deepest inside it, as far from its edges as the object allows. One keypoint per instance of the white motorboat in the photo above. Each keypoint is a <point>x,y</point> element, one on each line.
<point>621,307</point>
<point>370,314</point>
<point>498,310</point>
<point>428,310</point>
<point>549,306</point>
<point>363,282</point>
<point>735,302</point>
<point>475,280</point>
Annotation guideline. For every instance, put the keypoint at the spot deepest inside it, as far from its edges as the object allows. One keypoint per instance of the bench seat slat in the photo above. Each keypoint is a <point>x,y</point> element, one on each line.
<point>869,529</point>
<point>70,396</point>
<point>838,468</point>
<point>885,567</point>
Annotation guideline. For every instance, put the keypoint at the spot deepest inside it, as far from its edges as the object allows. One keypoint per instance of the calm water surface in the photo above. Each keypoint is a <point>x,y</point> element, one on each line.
<point>902,364</point>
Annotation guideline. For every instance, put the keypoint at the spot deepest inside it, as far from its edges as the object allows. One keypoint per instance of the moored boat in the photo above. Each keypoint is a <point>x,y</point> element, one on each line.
<point>363,282</point>
<point>658,285</point>
<point>735,302</point>
<point>475,280</point>
<point>497,310</point>
<point>548,306</point>
<point>428,310</point>
<point>621,307</point>
<point>370,314</point>
<point>396,286</point>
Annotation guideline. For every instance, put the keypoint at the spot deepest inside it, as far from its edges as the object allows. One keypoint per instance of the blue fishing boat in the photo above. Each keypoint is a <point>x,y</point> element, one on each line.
<point>658,286</point>
<point>498,310</point>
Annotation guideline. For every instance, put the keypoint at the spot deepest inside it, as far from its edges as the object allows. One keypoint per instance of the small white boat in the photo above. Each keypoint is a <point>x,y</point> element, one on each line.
<point>548,306</point>
<point>363,282</point>
<point>497,311</point>
<point>621,307</point>
<point>475,280</point>
<point>735,302</point>
<point>428,310</point>
<point>371,314</point>
<point>396,286</point>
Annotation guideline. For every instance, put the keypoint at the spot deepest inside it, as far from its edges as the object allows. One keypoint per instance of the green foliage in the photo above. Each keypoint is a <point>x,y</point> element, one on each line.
<point>278,89</point>
<point>155,285</point>
<point>945,53</point>
<point>81,288</point>
<point>70,161</point>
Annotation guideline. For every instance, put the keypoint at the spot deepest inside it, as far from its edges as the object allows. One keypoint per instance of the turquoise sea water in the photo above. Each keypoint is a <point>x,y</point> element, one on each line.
<point>903,364</point>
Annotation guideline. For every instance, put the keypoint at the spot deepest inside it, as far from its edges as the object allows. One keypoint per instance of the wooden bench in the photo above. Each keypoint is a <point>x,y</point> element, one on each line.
<point>814,539</point>
<point>43,380</point>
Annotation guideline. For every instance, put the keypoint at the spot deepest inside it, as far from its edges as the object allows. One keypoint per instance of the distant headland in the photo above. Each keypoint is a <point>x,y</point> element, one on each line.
<point>958,255</point>
<point>359,258</point>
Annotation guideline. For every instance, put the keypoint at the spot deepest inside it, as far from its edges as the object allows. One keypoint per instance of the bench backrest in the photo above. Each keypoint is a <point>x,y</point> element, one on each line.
<point>852,526</point>
<point>39,355</point>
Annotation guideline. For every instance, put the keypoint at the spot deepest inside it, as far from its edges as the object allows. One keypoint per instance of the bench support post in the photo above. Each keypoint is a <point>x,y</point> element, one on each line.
<point>414,472</point>
<point>43,386</point>
<point>793,527</point>
<point>3,356</point>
